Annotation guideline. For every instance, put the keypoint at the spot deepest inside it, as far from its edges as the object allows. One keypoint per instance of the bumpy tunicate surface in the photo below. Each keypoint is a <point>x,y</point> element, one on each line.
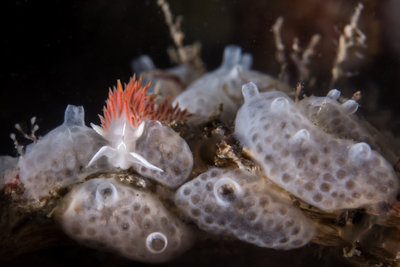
<point>235,203</point>
<point>60,157</point>
<point>164,148</point>
<point>319,168</point>
<point>103,213</point>
<point>340,120</point>
<point>223,85</point>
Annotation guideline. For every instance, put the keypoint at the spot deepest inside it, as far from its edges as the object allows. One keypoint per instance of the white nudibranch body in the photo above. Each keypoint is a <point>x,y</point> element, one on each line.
<point>137,139</point>
<point>122,129</point>
<point>122,137</point>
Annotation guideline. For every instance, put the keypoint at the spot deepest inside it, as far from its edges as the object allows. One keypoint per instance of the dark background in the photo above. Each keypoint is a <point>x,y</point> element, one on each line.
<point>70,52</point>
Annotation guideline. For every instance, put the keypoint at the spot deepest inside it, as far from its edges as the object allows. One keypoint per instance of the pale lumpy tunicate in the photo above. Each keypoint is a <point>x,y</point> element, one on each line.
<point>236,203</point>
<point>164,148</point>
<point>321,169</point>
<point>222,86</point>
<point>106,214</point>
<point>340,120</point>
<point>60,158</point>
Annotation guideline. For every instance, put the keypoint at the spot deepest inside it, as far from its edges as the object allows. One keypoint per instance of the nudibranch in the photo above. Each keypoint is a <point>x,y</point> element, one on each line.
<point>126,113</point>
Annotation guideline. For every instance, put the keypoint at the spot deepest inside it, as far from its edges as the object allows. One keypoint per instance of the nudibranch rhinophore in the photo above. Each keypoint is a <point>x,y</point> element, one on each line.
<point>132,119</point>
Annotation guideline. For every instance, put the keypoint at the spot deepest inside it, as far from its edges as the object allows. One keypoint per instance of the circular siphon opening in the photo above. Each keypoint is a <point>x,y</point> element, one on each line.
<point>106,193</point>
<point>226,191</point>
<point>156,242</point>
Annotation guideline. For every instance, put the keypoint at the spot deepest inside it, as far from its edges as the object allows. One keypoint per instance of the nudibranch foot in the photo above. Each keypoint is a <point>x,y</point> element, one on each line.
<point>123,161</point>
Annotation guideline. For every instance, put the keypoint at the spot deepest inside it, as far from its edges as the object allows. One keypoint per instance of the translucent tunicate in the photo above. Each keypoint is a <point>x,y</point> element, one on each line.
<point>236,203</point>
<point>134,223</point>
<point>298,148</point>
<point>60,158</point>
